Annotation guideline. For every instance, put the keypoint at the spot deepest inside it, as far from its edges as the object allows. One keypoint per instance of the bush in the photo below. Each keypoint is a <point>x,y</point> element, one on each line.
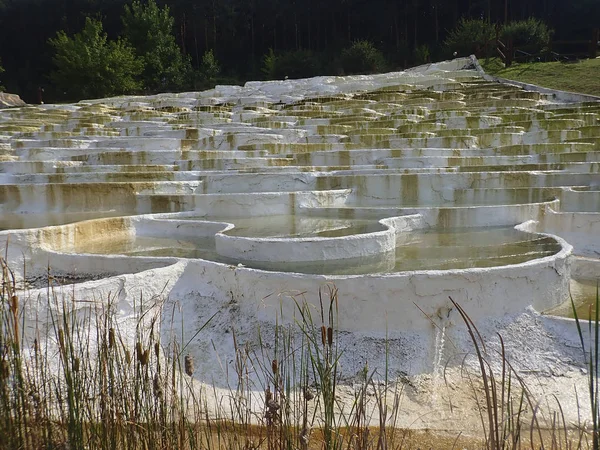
<point>209,68</point>
<point>400,56</point>
<point>88,65</point>
<point>292,64</point>
<point>531,35</point>
<point>471,36</point>
<point>362,57</point>
<point>1,70</point>
<point>149,29</point>
<point>422,54</point>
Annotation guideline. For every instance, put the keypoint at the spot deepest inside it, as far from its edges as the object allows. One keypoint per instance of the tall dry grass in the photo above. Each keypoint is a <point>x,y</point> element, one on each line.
<point>84,383</point>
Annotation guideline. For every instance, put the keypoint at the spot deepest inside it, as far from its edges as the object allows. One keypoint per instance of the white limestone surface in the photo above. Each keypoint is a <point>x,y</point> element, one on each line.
<point>402,190</point>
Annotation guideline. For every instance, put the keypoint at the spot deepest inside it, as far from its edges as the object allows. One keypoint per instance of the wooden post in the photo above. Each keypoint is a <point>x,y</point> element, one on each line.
<point>594,42</point>
<point>510,52</point>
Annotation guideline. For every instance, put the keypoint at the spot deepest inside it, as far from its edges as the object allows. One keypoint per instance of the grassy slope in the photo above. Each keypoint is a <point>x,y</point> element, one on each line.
<point>582,76</point>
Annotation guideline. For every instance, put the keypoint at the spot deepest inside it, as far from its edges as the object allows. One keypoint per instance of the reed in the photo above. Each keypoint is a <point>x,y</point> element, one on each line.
<point>591,355</point>
<point>85,382</point>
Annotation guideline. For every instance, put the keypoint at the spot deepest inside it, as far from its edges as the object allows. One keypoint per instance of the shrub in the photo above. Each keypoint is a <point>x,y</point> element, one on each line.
<point>292,64</point>
<point>471,36</point>
<point>88,65</point>
<point>400,56</point>
<point>422,54</point>
<point>209,69</point>
<point>532,34</point>
<point>149,29</point>
<point>362,57</point>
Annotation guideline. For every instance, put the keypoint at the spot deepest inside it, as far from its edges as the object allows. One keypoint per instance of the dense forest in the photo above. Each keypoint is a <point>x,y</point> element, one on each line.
<point>240,37</point>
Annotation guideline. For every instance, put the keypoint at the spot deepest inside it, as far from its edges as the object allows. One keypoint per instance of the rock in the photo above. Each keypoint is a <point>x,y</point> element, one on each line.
<point>10,100</point>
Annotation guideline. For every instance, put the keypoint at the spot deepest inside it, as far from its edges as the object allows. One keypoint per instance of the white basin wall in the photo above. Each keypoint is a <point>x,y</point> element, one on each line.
<point>364,300</point>
<point>366,245</point>
<point>435,147</point>
<point>367,303</point>
<point>581,230</point>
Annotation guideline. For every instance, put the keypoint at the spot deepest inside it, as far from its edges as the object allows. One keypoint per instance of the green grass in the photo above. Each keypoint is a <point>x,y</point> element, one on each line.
<point>581,76</point>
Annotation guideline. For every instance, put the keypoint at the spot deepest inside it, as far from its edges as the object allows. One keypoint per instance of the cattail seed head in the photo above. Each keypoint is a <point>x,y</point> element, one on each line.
<point>76,364</point>
<point>273,406</point>
<point>156,387</point>
<point>330,336</point>
<point>111,338</point>
<point>14,304</point>
<point>128,357</point>
<point>308,394</point>
<point>139,352</point>
<point>274,367</point>
<point>4,369</point>
<point>157,350</point>
<point>145,357</point>
<point>189,365</point>
<point>61,338</point>
<point>323,334</point>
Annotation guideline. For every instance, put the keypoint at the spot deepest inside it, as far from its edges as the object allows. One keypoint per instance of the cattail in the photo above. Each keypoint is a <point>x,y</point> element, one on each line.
<point>14,305</point>
<point>76,364</point>
<point>139,352</point>
<point>189,365</point>
<point>61,339</point>
<point>4,369</point>
<point>274,366</point>
<point>128,357</point>
<point>145,357</point>
<point>308,394</point>
<point>330,336</point>
<point>157,350</point>
<point>273,406</point>
<point>323,334</point>
<point>111,338</point>
<point>174,360</point>
<point>156,387</point>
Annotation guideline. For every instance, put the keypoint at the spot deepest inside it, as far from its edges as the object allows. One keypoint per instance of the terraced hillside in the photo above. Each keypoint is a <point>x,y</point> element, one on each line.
<point>399,188</point>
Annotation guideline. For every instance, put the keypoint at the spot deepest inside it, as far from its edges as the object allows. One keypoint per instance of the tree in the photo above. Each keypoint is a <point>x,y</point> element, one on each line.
<point>362,57</point>
<point>292,64</point>
<point>150,31</point>
<point>1,70</point>
<point>531,35</point>
<point>88,65</point>
<point>471,36</point>
<point>209,69</point>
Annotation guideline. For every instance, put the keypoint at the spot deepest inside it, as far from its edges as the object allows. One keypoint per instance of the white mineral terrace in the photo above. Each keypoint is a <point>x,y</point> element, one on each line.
<point>402,189</point>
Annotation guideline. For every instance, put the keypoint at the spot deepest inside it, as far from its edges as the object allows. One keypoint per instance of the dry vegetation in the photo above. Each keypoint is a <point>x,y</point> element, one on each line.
<point>84,384</point>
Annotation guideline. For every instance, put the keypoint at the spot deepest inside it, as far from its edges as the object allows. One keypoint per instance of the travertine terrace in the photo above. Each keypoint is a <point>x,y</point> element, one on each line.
<point>401,189</point>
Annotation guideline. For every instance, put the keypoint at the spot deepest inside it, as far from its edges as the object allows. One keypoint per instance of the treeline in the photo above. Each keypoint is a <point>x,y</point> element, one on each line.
<point>235,40</point>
